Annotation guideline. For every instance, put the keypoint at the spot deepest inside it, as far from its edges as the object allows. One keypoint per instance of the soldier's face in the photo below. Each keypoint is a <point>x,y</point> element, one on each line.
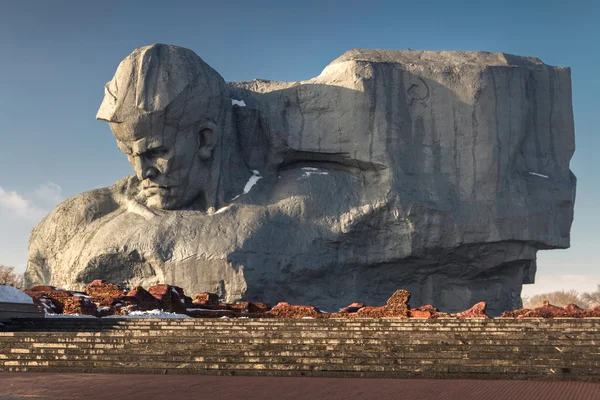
<point>170,163</point>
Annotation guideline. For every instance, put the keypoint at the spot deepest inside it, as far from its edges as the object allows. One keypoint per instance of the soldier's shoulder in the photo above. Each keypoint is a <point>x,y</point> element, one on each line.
<point>90,205</point>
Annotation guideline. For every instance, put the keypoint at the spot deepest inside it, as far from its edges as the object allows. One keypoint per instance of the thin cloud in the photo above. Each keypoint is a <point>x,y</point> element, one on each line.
<point>49,193</point>
<point>29,207</point>
<point>19,213</point>
<point>15,206</point>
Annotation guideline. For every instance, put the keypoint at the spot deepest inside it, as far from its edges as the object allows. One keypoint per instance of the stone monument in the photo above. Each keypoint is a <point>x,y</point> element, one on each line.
<point>440,172</point>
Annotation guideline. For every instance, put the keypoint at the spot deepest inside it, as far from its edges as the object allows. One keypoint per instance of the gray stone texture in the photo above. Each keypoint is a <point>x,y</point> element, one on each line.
<point>440,172</point>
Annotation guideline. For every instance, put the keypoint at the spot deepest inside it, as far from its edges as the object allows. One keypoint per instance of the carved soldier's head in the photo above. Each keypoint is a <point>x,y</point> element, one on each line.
<point>165,106</point>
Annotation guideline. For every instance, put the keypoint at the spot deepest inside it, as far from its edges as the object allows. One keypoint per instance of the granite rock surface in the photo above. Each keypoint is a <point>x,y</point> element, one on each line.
<point>439,172</point>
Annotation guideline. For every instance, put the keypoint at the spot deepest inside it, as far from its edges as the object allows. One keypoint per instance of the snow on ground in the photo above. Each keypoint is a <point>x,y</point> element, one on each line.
<point>239,103</point>
<point>132,314</point>
<point>151,314</point>
<point>9,294</point>
<point>68,316</point>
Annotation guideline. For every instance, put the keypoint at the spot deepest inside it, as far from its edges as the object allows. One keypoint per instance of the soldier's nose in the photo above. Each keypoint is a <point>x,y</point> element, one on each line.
<point>149,173</point>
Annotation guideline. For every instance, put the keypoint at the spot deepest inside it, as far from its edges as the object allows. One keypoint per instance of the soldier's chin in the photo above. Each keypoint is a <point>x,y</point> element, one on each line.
<point>161,202</point>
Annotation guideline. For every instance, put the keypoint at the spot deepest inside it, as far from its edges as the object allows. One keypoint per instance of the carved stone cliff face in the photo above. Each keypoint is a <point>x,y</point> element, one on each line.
<point>439,172</point>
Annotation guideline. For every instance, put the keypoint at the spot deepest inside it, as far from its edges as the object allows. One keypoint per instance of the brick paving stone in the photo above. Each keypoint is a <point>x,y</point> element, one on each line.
<point>53,386</point>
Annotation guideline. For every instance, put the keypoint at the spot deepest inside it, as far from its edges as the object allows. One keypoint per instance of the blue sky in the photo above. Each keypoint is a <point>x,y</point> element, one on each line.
<point>56,56</point>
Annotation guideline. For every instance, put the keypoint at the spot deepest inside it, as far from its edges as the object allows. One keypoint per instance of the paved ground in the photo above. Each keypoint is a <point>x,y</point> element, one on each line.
<point>18,386</point>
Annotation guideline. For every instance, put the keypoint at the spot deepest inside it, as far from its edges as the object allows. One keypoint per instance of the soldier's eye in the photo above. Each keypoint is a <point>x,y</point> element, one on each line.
<point>158,152</point>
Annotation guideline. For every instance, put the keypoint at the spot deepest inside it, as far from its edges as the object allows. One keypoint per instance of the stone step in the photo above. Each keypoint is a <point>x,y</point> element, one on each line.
<point>204,342</point>
<point>305,333</point>
<point>587,352</point>
<point>310,333</point>
<point>593,332</point>
<point>308,320</point>
<point>308,358</point>
<point>300,351</point>
<point>160,348</point>
<point>207,341</point>
<point>293,328</point>
<point>320,326</point>
<point>261,331</point>
<point>362,323</point>
<point>333,340</point>
<point>172,342</point>
<point>284,363</point>
<point>301,331</point>
<point>554,363</point>
<point>330,351</point>
<point>532,370</point>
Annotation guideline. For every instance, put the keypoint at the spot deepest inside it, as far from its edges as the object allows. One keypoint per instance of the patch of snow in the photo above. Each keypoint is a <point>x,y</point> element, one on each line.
<point>48,306</point>
<point>150,314</point>
<point>251,182</point>
<point>85,296</point>
<point>239,103</point>
<point>68,316</point>
<point>202,309</point>
<point>308,171</point>
<point>536,174</point>
<point>224,317</point>
<point>222,209</point>
<point>9,294</point>
<point>103,308</point>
